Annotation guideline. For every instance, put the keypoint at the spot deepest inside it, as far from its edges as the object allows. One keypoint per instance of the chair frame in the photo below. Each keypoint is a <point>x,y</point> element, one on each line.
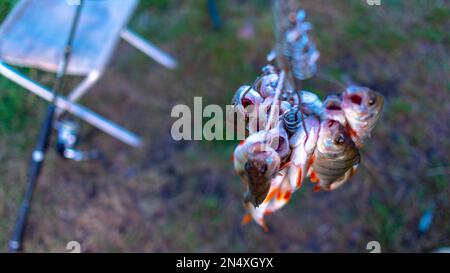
<point>69,104</point>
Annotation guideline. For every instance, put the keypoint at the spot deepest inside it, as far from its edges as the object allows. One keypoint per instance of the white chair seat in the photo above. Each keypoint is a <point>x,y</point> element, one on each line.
<point>35,32</point>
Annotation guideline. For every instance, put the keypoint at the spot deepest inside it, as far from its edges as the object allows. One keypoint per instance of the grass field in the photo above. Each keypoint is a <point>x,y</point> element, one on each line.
<point>184,196</point>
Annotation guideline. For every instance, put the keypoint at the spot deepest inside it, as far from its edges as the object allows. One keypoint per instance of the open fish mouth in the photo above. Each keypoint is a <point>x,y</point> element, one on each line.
<point>333,105</point>
<point>356,99</point>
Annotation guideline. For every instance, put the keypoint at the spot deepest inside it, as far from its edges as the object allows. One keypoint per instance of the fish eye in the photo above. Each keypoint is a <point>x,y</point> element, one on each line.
<point>372,101</point>
<point>339,140</point>
<point>247,166</point>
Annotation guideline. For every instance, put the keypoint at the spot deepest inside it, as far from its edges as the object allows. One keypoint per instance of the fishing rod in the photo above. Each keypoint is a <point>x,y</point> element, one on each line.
<point>38,156</point>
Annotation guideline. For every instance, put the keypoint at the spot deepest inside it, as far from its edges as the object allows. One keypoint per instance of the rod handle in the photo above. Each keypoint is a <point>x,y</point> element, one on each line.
<point>15,244</point>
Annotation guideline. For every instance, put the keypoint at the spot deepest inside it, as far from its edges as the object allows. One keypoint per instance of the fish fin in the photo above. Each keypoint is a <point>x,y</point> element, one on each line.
<point>310,162</point>
<point>314,177</point>
<point>279,196</point>
<point>344,179</point>
<point>268,212</point>
<point>271,195</point>
<point>354,168</point>
<point>285,165</point>
<point>350,131</point>
<point>317,188</point>
<point>352,172</point>
<point>299,178</point>
<point>287,196</point>
<point>246,219</point>
<point>354,136</point>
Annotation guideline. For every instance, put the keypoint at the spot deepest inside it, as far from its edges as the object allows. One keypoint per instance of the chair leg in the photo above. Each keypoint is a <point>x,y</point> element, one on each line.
<point>81,89</point>
<point>75,109</point>
<point>149,49</point>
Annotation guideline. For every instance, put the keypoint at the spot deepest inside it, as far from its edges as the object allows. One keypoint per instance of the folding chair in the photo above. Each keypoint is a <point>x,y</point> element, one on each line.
<point>34,33</point>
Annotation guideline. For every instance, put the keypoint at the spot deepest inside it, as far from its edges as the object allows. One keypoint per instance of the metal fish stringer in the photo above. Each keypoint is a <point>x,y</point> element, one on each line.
<point>300,135</point>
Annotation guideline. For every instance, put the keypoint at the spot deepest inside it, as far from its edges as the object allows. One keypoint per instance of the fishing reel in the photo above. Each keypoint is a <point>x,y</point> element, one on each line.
<point>68,131</point>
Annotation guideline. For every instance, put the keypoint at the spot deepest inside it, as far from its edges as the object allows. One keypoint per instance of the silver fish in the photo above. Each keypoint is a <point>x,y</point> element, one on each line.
<point>335,156</point>
<point>362,108</point>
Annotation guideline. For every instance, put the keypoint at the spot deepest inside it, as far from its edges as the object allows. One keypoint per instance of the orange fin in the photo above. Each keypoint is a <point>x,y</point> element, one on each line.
<point>299,178</point>
<point>317,188</point>
<point>279,195</point>
<point>271,195</point>
<point>287,196</point>
<point>353,171</point>
<point>314,177</point>
<point>268,212</point>
<point>310,162</point>
<point>246,219</point>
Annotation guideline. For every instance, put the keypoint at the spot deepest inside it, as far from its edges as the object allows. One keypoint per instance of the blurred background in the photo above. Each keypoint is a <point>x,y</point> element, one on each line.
<point>184,196</point>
